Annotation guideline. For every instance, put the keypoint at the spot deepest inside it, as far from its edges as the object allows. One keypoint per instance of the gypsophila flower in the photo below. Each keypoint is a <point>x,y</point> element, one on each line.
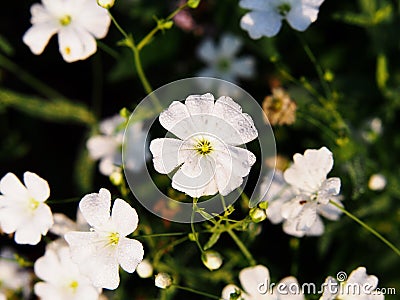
<point>61,278</point>
<point>377,182</point>
<point>265,17</point>
<point>99,252</point>
<point>221,59</point>
<point>256,285</point>
<point>144,269</point>
<point>279,108</point>
<point>23,209</point>
<point>77,23</point>
<point>206,152</point>
<point>358,286</point>
<point>107,147</point>
<point>163,280</point>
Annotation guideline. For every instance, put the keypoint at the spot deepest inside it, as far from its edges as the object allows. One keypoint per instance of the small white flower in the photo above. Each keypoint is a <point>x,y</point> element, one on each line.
<point>358,286</point>
<point>377,182</point>
<point>207,151</point>
<point>62,279</point>
<point>265,18</point>
<point>12,277</point>
<point>313,191</point>
<point>256,284</point>
<point>107,147</point>
<point>77,24</point>
<point>221,59</point>
<point>22,208</point>
<point>163,280</point>
<point>99,252</point>
<point>63,224</point>
<point>144,269</point>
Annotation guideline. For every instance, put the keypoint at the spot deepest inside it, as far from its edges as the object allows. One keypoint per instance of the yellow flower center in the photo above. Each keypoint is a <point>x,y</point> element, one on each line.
<point>33,204</point>
<point>113,238</point>
<point>203,147</point>
<point>66,20</point>
<point>67,50</point>
<point>74,285</point>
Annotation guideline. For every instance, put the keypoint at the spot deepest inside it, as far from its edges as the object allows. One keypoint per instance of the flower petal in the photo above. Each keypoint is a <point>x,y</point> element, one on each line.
<point>301,16</point>
<point>289,289</point>
<point>27,234</point>
<point>229,45</point>
<point>11,187</point>
<point>200,104</point>
<point>129,254</point>
<point>177,120</point>
<point>207,51</point>
<point>47,267</point>
<point>37,187</point>
<point>94,18</point>
<point>38,36</point>
<point>101,146</point>
<point>330,285</point>
<point>290,227</point>
<point>317,228</point>
<point>243,67</point>
<point>11,218</point>
<point>165,153</point>
<point>329,211</point>
<point>261,23</point>
<point>42,219</point>
<point>253,279</point>
<point>76,43</point>
<point>47,291</point>
<point>96,207</point>
<point>328,190</point>
<point>238,127</point>
<point>307,217</point>
<point>257,5</point>
<point>124,217</point>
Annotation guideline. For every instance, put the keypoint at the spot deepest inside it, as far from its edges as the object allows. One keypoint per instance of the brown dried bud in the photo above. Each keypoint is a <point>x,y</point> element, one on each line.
<point>279,108</point>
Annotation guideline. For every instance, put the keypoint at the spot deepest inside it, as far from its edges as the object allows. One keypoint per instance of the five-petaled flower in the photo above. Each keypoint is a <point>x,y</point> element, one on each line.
<point>61,277</point>
<point>99,252</point>
<point>22,208</point>
<point>77,23</point>
<point>265,17</point>
<point>207,151</point>
<point>221,59</point>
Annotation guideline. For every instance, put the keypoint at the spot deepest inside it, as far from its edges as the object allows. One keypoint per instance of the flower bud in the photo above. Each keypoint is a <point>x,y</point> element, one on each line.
<point>377,182</point>
<point>116,177</point>
<point>257,214</point>
<point>163,280</point>
<point>211,259</point>
<point>107,4</point>
<point>145,269</point>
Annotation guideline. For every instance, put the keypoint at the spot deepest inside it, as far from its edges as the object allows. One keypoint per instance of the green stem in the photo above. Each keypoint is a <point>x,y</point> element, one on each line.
<point>307,117</point>
<point>195,234</point>
<point>242,247</point>
<point>160,235</point>
<point>69,200</point>
<point>30,80</point>
<point>195,291</point>
<point>367,227</point>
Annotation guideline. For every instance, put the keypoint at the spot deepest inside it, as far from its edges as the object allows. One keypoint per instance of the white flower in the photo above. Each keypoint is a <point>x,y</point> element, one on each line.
<point>206,152</point>
<point>12,277</point>
<point>265,18</point>
<point>76,22</point>
<point>144,269</point>
<point>22,209</point>
<point>313,191</point>
<point>256,284</point>
<point>358,286</point>
<point>99,252</point>
<point>221,59</point>
<point>62,279</point>
<point>377,182</point>
<point>107,147</point>
<point>63,224</point>
<point>163,280</point>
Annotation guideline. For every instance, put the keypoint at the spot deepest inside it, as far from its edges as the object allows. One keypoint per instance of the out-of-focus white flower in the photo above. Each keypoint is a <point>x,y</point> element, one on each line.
<point>221,59</point>
<point>313,191</point>
<point>23,209</point>
<point>377,182</point>
<point>63,224</point>
<point>99,252</point>
<point>358,286</point>
<point>372,130</point>
<point>61,278</point>
<point>163,280</point>
<point>12,277</point>
<point>256,284</point>
<point>107,147</point>
<point>144,269</point>
<point>206,152</point>
<point>77,23</point>
<point>107,4</point>
<point>211,259</point>
<point>265,17</point>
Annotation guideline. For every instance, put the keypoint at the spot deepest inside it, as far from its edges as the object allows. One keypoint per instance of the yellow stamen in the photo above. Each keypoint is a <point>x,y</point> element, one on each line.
<point>67,50</point>
<point>113,238</point>
<point>74,285</point>
<point>203,147</point>
<point>66,20</point>
<point>33,204</point>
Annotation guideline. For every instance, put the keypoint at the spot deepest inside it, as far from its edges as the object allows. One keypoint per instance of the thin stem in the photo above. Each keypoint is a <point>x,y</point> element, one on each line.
<point>195,291</point>
<point>69,200</point>
<point>107,49</point>
<point>30,80</point>
<point>195,234</point>
<point>318,124</point>
<point>120,29</point>
<point>242,247</point>
<point>160,235</point>
<point>367,227</point>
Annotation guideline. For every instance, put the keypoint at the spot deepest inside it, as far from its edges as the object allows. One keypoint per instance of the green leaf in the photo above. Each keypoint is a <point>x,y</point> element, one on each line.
<point>193,3</point>
<point>212,241</point>
<point>54,110</point>
<point>382,74</point>
<point>6,47</point>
